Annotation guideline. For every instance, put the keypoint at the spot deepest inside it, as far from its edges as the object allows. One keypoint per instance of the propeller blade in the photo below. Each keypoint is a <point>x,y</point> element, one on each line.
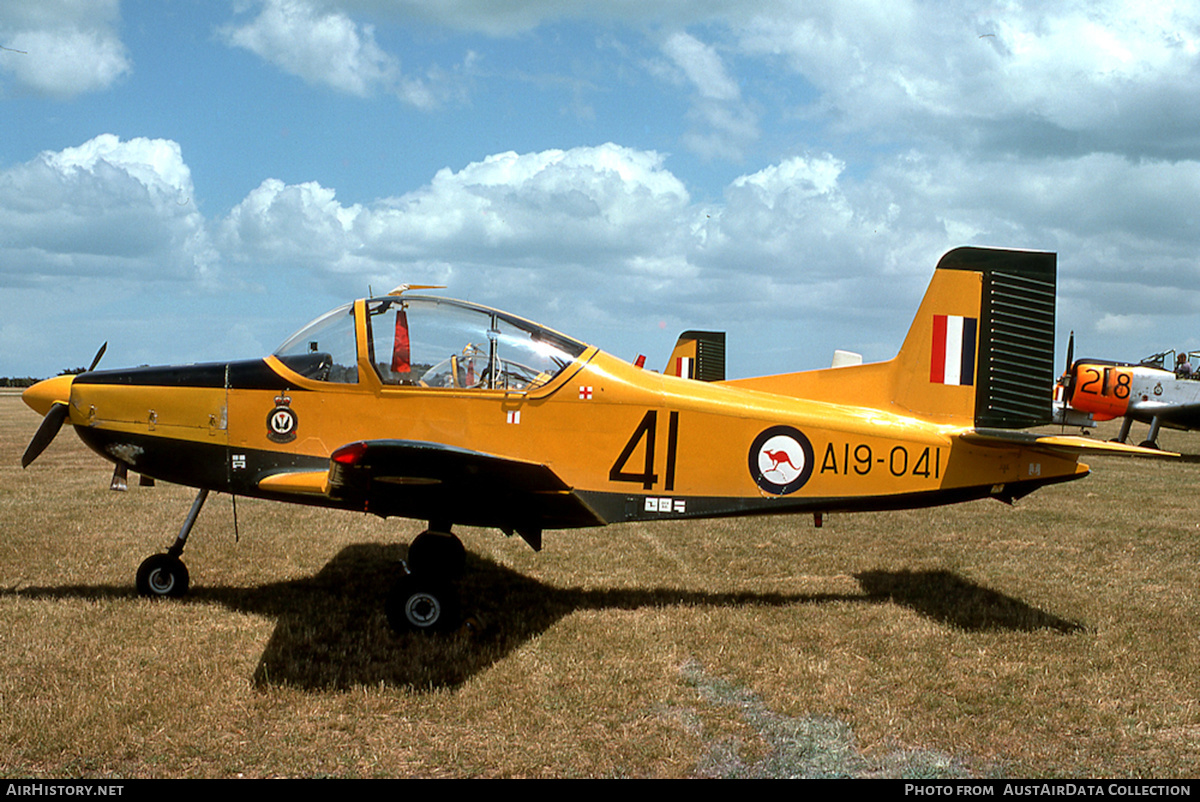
<point>45,433</point>
<point>96,359</point>
<point>1065,379</point>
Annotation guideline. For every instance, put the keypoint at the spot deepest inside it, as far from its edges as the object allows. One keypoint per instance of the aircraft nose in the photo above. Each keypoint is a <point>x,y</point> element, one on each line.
<point>41,396</point>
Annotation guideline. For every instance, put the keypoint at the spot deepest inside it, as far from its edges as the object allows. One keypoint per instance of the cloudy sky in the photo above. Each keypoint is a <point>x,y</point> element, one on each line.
<point>193,180</point>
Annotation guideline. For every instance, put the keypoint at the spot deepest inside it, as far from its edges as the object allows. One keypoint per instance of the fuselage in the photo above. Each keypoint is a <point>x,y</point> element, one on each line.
<point>634,444</point>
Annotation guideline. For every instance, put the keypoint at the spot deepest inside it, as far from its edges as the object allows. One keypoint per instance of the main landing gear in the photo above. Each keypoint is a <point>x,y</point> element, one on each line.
<point>162,575</point>
<point>1151,440</point>
<point>425,598</point>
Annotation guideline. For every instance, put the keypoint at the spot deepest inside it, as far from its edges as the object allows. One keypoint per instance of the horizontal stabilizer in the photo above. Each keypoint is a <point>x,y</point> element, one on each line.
<point>1060,443</point>
<point>843,359</point>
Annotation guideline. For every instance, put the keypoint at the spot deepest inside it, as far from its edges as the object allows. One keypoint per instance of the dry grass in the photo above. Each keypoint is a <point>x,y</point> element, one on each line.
<point>1057,638</point>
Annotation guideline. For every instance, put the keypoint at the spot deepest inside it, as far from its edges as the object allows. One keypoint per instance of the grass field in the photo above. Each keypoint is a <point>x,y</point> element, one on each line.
<point>1054,638</point>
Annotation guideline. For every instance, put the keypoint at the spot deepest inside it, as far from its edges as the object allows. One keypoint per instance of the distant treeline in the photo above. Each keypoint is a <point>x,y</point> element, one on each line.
<point>29,381</point>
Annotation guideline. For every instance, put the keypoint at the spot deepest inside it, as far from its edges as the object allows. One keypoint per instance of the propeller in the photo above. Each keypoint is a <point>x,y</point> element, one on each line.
<point>1066,381</point>
<point>46,432</point>
<point>58,412</point>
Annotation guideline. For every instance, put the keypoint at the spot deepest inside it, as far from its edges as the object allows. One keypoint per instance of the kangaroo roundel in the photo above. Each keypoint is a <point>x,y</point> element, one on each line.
<point>781,460</point>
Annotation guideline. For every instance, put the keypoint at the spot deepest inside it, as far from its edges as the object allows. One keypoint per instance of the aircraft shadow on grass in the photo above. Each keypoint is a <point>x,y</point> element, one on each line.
<point>332,633</point>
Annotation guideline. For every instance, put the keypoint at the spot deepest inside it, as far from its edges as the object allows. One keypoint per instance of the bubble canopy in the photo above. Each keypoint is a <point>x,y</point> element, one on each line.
<point>436,343</point>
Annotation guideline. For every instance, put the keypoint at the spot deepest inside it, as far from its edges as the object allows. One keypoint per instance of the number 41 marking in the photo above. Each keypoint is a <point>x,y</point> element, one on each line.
<point>646,430</point>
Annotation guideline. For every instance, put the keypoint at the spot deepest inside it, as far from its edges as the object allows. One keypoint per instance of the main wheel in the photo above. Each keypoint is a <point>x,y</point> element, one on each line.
<point>162,575</point>
<point>437,554</point>
<point>422,605</point>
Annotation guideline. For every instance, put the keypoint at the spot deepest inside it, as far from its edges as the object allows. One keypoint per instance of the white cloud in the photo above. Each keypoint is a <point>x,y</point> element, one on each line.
<point>608,242</point>
<point>515,17</point>
<point>1021,76</point>
<point>536,209</point>
<point>62,48</point>
<point>109,208</point>
<point>802,176</point>
<point>300,224</point>
<point>783,219</point>
<point>326,48</point>
<point>607,232</point>
<point>702,66</point>
<point>723,124</point>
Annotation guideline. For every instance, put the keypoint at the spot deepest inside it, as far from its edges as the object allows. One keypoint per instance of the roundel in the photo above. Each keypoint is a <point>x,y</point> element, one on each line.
<point>781,460</point>
<point>281,424</point>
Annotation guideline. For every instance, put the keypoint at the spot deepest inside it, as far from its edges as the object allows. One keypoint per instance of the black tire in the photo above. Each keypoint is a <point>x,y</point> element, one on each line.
<point>438,555</point>
<point>160,576</point>
<point>422,605</point>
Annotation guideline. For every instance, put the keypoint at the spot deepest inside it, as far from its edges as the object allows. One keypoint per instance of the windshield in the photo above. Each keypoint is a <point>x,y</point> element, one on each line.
<point>324,350</point>
<point>437,342</point>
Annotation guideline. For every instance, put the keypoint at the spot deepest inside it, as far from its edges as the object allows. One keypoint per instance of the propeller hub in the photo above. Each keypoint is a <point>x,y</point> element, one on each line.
<point>43,395</point>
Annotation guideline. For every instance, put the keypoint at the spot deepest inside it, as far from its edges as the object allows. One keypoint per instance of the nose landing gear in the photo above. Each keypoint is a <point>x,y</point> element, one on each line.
<point>163,575</point>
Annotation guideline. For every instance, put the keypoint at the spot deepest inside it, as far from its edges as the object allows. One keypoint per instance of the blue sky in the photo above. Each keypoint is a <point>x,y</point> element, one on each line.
<point>193,181</point>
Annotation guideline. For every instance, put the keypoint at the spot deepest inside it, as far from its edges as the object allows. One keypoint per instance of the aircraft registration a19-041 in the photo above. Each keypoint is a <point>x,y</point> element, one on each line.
<point>457,414</point>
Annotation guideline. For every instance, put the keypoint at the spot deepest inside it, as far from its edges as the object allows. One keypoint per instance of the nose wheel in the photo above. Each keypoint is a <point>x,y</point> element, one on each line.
<point>162,575</point>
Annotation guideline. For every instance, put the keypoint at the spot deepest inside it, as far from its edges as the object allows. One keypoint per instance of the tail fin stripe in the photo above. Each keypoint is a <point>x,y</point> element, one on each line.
<point>937,360</point>
<point>952,359</point>
<point>968,351</point>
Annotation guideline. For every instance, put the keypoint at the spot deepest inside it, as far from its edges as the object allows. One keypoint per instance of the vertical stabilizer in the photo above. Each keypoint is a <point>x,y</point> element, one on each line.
<point>982,344</point>
<point>980,351</point>
<point>698,355</point>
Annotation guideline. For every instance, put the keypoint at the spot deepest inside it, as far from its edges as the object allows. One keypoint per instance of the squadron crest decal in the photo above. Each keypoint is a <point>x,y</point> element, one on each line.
<point>282,421</point>
<point>781,460</point>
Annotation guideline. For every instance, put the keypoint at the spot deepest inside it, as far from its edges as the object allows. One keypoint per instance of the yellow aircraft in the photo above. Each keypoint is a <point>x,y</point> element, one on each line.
<point>457,414</point>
